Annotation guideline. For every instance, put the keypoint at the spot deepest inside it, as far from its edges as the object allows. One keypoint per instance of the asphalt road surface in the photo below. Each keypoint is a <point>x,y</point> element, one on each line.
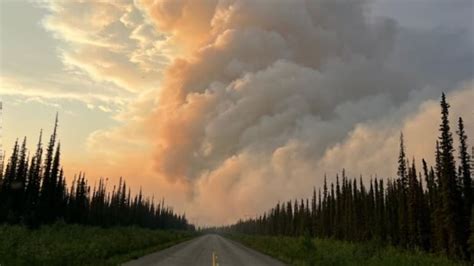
<point>208,250</point>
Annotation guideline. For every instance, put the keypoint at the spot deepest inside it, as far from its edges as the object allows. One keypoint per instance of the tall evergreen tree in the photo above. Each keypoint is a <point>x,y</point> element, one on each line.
<point>465,172</point>
<point>33,186</point>
<point>465,180</point>
<point>48,181</point>
<point>402,194</point>
<point>9,186</point>
<point>19,184</point>
<point>451,201</point>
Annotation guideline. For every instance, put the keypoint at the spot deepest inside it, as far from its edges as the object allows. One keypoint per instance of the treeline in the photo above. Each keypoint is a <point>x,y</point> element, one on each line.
<point>429,208</point>
<point>33,191</point>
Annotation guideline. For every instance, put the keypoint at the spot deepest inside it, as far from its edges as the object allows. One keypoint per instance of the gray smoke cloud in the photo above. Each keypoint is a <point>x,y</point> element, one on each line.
<point>275,93</point>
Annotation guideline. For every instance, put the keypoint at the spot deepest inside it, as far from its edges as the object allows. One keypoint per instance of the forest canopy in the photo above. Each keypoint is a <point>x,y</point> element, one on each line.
<point>34,191</point>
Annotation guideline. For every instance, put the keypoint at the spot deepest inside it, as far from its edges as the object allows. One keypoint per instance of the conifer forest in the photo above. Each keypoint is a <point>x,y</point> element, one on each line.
<point>426,207</point>
<point>35,191</point>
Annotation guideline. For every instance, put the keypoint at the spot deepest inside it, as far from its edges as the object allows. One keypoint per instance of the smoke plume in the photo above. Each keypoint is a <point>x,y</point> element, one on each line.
<point>273,94</point>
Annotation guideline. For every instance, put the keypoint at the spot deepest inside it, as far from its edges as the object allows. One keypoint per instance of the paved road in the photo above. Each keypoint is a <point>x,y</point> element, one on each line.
<point>200,252</point>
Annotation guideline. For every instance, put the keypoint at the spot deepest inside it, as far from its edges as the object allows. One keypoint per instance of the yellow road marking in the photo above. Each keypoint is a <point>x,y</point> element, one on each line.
<point>214,259</point>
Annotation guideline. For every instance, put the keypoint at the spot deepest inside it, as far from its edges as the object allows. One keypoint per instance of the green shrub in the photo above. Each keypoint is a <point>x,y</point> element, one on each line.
<point>62,244</point>
<point>306,251</point>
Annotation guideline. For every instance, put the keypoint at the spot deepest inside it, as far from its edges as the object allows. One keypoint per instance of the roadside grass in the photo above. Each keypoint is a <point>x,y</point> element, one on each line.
<point>306,251</point>
<point>62,244</point>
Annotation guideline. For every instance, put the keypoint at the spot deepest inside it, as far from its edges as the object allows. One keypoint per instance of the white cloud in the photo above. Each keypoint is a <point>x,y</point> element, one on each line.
<point>111,41</point>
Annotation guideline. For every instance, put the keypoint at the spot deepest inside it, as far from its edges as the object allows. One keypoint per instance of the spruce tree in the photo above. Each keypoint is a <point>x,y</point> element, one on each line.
<point>8,186</point>
<point>465,172</point>
<point>33,186</point>
<point>413,207</point>
<point>48,181</point>
<point>19,184</point>
<point>402,194</point>
<point>465,178</point>
<point>452,222</point>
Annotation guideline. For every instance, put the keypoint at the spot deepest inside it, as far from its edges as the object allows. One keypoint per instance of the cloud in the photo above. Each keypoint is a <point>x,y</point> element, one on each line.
<point>272,96</point>
<point>108,54</point>
<point>62,88</point>
<point>110,41</point>
<point>187,21</point>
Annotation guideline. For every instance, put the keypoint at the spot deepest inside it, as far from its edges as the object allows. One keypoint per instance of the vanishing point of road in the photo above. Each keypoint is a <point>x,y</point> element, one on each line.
<point>208,250</point>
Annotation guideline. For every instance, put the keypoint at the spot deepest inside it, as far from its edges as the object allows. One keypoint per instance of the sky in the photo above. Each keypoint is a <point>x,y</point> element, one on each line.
<point>225,107</point>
